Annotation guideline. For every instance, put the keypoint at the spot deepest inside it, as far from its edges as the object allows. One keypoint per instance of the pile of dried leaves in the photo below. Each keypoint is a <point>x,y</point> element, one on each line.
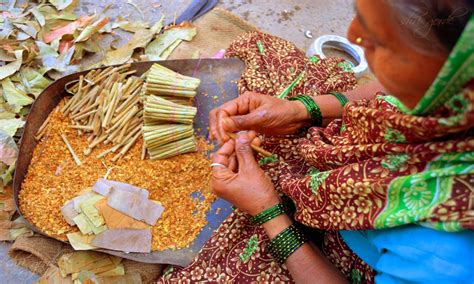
<point>45,40</point>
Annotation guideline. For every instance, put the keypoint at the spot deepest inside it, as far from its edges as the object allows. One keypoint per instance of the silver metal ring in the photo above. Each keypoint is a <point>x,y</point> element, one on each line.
<point>340,43</point>
<point>218,165</point>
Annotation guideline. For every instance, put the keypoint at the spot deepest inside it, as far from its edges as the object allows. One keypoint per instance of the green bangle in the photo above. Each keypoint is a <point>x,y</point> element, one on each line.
<point>272,212</point>
<point>286,243</point>
<point>312,107</point>
<point>340,97</point>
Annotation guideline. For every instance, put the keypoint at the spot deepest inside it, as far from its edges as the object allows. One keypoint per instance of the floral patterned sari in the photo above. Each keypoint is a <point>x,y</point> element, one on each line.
<point>380,166</point>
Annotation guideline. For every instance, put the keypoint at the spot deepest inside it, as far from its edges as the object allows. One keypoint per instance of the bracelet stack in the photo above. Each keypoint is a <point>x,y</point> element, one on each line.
<point>272,212</point>
<point>286,243</point>
<point>312,107</point>
<point>340,97</point>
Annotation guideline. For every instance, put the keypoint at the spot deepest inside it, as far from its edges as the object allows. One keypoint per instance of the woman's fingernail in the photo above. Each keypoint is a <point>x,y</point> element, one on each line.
<point>226,121</point>
<point>242,137</point>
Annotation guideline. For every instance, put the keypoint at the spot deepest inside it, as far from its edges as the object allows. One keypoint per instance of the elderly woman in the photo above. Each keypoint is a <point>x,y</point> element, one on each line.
<point>384,192</point>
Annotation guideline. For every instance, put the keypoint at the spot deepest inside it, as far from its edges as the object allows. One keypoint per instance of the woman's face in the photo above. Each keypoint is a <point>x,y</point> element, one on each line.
<point>404,71</point>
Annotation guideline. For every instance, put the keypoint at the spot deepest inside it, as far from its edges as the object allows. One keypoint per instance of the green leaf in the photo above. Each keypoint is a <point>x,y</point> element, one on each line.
<point>7,28</point>
<point>167,52</point>
<point>54,61</point>
<point>5,109</point>
<point>169,40</point>
<point>139,40</point>
<point>51,14</point>
<point>11,68</point>
<point>61,4</point>
<point>14,96</point>
<point>131,26</point>
<point>10,126</point>
<point>6,174</point>
<point>33,82</point>
<point>29,28</point>
<point>38,15</point>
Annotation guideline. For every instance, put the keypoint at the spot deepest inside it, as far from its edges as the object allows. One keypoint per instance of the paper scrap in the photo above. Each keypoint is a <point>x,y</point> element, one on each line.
<point>135,206</point>
<point>115,219</point>
<point>127,240</point>
<point>69,213</point>
<point>103,187</point>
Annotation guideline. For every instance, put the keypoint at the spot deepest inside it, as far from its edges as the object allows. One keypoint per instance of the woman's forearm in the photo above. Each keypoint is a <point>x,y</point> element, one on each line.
<point>331,108</point>
<point>307,264</point>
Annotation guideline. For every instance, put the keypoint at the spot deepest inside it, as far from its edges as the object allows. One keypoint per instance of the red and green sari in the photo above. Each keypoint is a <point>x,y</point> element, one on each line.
<point>380,166</point>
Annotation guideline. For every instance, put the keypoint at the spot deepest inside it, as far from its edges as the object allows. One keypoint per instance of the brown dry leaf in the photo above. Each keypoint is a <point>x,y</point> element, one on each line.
<point>85,260</point>
<point>53,276</point>
<point>5,56</point>
<point>67,29</point>
<point>117,220</point>
<point>117,271</point>
<point>92,29</point>
<point>131,278</point>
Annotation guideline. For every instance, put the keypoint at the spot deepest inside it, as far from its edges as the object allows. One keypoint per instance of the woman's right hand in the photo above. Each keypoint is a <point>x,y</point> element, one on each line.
<point>261,113</point>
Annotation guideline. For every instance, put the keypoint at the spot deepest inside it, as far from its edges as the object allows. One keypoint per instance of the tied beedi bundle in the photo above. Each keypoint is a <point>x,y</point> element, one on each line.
<point>168,113</point>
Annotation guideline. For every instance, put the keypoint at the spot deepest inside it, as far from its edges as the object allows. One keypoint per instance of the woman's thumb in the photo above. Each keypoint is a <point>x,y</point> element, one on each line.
<point>243,151</point>
<point>249,121</point>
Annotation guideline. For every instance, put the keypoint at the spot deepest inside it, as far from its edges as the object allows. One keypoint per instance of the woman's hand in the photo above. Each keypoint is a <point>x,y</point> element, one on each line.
<point>261,113</point>
<point>241,181</point>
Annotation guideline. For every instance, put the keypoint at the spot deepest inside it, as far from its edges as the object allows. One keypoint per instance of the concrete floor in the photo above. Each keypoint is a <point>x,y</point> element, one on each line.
<point>288,19</point>
<point>285,18</point>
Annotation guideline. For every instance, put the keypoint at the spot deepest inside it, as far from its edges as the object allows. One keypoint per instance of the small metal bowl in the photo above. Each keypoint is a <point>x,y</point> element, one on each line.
<point>343,44</point>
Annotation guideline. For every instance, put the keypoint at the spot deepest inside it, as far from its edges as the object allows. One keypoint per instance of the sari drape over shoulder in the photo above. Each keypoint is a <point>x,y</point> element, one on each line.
<point>380,166</point>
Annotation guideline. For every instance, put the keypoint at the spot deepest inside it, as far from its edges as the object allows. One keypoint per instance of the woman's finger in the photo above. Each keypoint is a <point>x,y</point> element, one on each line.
<point>257,141</point>
<point>222,155</point>
<point>222,174</point>
<point>244,152</point>
<point>221,134</point>
<point>233,163</point>
<point>253,136</point>
<point>213,124</point>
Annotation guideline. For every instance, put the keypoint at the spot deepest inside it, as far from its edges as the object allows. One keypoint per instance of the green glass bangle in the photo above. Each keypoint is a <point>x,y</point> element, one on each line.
<point>272,212</point>
<point>340,97</point>
<point>286,243</point>
<point>312,107</point>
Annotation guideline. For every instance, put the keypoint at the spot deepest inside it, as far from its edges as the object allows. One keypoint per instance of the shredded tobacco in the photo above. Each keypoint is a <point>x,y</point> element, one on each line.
<point>54,178</point>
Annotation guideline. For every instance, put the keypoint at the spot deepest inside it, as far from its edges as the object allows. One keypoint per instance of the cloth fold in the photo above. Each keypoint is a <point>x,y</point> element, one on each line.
<point>414,253</point>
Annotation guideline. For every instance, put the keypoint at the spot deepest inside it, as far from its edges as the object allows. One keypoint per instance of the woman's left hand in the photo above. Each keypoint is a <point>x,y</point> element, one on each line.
<point>242,182</point>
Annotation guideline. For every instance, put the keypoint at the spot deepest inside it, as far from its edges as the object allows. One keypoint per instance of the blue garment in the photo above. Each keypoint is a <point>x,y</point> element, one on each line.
<point>415,254</point>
